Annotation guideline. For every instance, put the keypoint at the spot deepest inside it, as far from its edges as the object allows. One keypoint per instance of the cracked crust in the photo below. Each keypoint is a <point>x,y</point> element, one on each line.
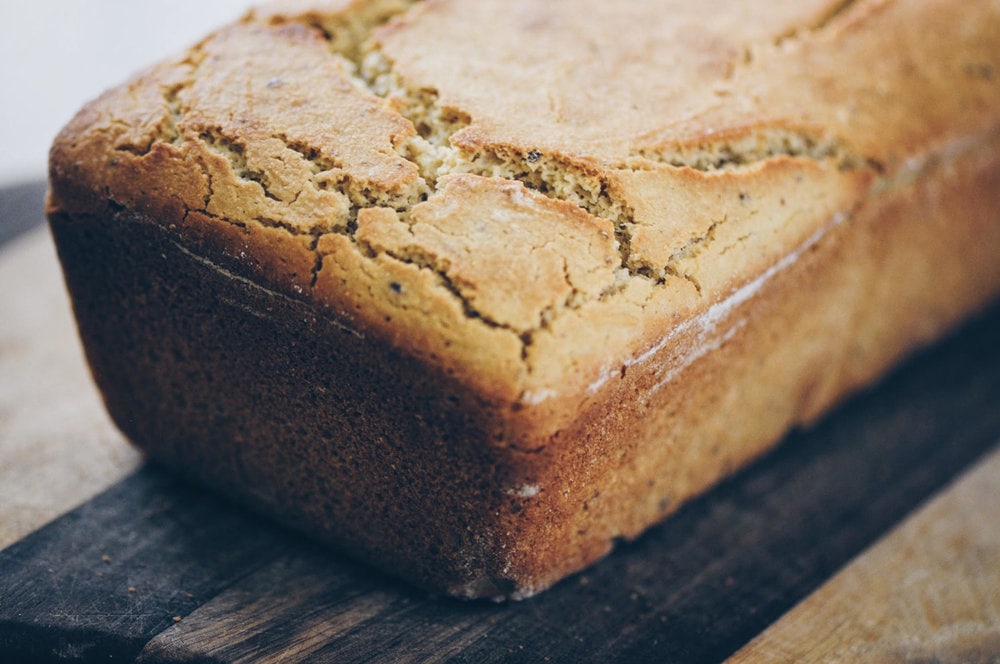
<point>550,215</point>
<point>303,114</point>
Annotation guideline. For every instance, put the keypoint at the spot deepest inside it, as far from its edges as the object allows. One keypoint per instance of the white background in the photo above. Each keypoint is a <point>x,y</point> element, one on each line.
<point>57,54</point>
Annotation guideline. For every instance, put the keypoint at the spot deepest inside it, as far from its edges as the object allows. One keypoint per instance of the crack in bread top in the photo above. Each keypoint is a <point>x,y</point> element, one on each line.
<point>520,189</point>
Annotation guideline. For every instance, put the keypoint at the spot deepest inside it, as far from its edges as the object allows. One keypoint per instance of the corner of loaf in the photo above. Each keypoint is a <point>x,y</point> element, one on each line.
<point>470,297</point>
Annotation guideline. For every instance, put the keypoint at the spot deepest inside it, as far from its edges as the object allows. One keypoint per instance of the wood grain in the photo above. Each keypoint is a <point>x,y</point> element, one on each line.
<point>101,581</point>
<point>928,592</point>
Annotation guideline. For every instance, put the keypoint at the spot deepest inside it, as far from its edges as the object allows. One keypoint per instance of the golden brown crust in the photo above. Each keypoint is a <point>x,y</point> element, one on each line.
<point>566,209</point>
<point>289,121</point>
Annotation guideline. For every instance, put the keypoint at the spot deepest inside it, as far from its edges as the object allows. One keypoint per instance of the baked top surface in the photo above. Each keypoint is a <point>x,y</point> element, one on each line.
<point>534,195</point>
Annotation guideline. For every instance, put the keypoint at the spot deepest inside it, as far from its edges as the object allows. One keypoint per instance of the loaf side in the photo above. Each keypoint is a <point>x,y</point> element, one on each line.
<point>471,289</point>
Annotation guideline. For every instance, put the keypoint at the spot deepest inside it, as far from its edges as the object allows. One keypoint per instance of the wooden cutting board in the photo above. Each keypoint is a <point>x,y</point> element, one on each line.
<point>929,592</point>
<point>142,565</point>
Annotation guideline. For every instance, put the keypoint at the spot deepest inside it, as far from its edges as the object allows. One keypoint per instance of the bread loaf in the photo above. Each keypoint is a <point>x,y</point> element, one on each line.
<point>471,289</point>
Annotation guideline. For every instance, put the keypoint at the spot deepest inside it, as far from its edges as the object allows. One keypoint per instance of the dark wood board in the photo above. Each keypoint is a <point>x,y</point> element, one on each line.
<point>695,588</point>
<point>926,593</point>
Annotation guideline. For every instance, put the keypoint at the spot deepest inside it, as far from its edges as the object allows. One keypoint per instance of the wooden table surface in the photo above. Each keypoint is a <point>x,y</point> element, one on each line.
<point>873,536</point>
